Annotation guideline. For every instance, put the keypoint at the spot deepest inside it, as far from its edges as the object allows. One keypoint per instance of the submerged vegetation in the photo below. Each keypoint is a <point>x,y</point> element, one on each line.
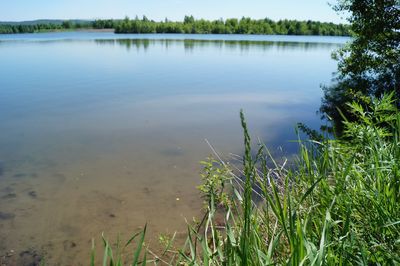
<point>338,204</point>
<point>190,25</point>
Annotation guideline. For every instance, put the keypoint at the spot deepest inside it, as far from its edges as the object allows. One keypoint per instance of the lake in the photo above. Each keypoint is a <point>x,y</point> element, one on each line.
<point>103,132</point>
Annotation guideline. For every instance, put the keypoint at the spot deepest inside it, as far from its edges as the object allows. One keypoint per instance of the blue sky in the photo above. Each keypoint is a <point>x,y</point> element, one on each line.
<point>17,10</point>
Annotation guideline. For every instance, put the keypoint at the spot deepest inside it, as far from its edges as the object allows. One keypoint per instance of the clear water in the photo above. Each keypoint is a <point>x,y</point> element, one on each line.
<point>103,133</point>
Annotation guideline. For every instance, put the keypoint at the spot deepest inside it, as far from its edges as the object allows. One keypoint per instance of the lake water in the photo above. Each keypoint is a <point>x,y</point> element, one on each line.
<point>103,133</point>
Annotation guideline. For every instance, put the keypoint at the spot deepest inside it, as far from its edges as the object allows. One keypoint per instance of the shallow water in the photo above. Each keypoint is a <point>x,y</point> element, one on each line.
<point>103,132</point>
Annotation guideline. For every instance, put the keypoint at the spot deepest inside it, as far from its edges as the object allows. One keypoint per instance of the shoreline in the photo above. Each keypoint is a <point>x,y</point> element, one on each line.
<point>92,30</point>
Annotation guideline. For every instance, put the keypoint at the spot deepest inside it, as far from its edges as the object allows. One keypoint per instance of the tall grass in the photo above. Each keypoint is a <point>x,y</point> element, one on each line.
<point>337,204</point>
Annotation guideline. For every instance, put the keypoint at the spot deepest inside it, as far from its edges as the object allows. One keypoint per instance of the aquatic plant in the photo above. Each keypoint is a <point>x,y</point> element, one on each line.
<point>337,204</point>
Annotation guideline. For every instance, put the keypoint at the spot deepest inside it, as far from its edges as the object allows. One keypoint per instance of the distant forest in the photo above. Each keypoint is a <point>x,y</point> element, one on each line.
<point>44,26</point>
<point>190,25</point>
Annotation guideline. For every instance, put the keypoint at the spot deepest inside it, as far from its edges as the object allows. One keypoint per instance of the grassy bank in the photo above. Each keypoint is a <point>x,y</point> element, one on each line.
<point>337,204</point>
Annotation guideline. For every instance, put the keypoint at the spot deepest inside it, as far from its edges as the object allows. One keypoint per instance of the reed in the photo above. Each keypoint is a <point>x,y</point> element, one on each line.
<point>336,204</point>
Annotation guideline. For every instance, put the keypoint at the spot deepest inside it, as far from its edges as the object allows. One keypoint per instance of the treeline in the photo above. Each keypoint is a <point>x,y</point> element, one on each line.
<point>190,25</point>
<point>105,23</point>
<point>10,29</point>
<point>42,27</point>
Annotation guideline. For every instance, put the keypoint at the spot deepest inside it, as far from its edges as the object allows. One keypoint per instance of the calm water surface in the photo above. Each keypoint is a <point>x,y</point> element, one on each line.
<point>103,132</point>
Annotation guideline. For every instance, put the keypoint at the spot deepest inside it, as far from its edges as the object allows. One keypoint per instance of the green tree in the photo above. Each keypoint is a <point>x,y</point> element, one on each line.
<point>67,24</point>
<point>370,65</point>
<point>188,20</point>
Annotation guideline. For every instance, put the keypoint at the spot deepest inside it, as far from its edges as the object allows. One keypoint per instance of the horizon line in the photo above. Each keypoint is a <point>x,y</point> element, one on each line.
<point>197,18</point>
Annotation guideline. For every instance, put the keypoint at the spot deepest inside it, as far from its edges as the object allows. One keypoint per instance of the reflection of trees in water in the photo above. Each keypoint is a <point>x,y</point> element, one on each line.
<point>128,43</point>
<point>242,45</point>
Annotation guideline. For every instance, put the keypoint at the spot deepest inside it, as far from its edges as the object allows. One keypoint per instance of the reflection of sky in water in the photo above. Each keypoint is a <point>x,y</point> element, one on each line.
<point>99,121</point>
<point>196,82</point>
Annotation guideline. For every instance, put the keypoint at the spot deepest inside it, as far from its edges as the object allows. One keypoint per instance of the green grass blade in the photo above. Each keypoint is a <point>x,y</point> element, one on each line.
<point>139,247</point>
